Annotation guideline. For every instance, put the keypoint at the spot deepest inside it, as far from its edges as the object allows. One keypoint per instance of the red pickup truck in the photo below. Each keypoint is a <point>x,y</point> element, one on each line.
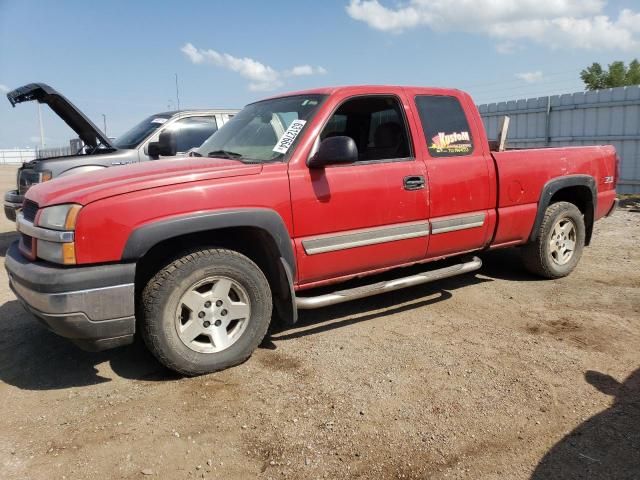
<point>299,191</point>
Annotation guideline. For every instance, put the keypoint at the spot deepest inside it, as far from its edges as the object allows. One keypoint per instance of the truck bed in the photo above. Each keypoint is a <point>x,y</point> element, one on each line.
<point>522,174</point>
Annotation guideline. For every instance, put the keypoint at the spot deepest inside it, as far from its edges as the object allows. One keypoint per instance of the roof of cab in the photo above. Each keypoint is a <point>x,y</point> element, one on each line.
<point>363,89</point>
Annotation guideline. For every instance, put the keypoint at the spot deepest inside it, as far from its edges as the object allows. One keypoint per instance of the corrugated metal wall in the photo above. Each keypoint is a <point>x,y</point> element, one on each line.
<point>584,118</point>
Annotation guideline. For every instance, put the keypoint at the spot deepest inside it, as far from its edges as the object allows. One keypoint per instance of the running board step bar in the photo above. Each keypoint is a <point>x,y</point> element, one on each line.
<point>306,303</point>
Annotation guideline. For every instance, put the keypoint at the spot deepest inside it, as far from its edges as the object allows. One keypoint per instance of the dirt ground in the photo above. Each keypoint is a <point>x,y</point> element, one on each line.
<point>495,375</point>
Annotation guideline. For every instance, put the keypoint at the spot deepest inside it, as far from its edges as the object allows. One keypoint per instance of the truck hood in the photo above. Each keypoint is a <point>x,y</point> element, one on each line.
<point>89,187</point>
<point>67,111</point>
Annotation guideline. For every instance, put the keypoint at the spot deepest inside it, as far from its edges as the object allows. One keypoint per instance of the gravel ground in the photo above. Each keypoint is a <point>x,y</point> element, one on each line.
<point>494,375</point>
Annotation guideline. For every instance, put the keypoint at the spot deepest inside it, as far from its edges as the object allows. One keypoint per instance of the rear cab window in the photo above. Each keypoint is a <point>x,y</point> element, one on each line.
<point>445,126</point>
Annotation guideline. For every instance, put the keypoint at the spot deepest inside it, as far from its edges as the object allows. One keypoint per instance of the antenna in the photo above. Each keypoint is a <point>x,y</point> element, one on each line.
<point>177,92</point>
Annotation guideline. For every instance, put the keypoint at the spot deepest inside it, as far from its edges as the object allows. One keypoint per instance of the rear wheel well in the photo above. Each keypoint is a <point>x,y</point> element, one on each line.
<point>582,197</point>
<point>255,243</point>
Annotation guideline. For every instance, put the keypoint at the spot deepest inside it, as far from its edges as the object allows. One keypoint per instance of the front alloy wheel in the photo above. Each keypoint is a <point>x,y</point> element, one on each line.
<point>213,314</point>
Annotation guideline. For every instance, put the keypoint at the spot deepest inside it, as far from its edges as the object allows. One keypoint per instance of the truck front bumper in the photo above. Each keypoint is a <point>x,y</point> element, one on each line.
<point>92,306</point>
<point>12,203</point>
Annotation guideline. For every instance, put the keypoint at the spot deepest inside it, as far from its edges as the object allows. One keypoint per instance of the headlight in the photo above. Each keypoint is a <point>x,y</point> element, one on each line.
<point>62,218</point>
<point>59,217</point>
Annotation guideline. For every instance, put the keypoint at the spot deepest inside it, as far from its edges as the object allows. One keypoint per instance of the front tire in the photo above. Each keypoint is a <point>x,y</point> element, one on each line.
<point>559,243</point>
<point>206,311</point>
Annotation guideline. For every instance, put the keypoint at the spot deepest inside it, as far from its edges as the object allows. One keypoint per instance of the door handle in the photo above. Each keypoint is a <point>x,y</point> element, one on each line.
<point>414,182</point>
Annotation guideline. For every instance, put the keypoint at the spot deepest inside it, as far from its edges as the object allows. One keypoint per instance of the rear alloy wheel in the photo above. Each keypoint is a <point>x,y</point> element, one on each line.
<point>562,243</point>
<point>206,311</point>
<point>559,242</point>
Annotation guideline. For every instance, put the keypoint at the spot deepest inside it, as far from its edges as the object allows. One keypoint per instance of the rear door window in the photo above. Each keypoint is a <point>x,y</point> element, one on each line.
<point>445,126</point>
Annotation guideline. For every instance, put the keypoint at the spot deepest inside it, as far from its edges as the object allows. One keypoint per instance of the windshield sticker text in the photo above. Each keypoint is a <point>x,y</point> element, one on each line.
<point>287,138</point>
<point>456,142</point>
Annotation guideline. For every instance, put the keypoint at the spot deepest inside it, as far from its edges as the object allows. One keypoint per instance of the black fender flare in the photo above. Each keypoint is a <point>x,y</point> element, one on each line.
<point>552,187</point>
<point>143,238</point>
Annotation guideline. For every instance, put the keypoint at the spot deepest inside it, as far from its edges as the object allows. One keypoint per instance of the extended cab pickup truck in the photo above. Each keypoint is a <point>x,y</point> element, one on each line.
<point>299,191</point>
<point>163,134</point>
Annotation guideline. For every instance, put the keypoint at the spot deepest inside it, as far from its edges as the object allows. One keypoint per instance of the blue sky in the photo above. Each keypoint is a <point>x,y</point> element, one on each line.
<point>119,58</point>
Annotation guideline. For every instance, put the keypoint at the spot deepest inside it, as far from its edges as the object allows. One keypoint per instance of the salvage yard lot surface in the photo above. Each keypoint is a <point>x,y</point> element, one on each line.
<point>490,375</point>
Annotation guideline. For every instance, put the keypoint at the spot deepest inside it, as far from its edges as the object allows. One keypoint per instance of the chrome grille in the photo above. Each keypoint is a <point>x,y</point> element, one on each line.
<point>29,210</point>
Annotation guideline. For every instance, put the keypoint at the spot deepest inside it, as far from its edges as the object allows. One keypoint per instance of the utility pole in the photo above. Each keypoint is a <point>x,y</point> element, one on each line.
<point>41,127</point>
<point>104,122</point>
<point>177,92</point>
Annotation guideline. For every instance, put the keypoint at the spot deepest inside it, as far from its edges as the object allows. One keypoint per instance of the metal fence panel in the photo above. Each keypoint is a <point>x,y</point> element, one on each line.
<point>600,117</point>
<point>16,156</point>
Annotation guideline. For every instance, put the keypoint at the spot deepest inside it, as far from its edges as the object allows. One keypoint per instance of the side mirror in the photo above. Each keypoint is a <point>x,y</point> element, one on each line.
<point>165,146</point>
<point>334,150</point>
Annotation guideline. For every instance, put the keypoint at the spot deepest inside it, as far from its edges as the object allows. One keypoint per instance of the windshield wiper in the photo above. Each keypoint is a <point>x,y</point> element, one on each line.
<point>225,154</point>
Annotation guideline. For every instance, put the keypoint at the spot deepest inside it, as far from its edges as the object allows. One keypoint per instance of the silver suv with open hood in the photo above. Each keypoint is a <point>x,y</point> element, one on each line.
<point>161,135</point>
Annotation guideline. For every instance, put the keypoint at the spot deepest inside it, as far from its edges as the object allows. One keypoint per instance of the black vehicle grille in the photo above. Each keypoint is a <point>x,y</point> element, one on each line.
<point>29,210</point>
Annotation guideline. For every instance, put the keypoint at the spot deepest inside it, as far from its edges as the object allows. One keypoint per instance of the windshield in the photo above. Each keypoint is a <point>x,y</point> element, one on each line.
<point>137,134</point>
<point>263,131</point>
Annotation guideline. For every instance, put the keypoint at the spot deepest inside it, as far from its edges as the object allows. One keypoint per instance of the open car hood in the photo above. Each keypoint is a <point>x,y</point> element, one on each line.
<point>67,111</point>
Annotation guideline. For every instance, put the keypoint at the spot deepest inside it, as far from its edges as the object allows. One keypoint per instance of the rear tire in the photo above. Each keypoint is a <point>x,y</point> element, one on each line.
<point>559,242</point>
<point>206,311</point>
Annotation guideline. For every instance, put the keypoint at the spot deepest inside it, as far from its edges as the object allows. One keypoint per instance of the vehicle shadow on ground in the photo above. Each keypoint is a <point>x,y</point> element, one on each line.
<point>33,358</point>
<point>506,265</point>
<point>6,239</point>
<point>502,265</point>
<point>605,446</point>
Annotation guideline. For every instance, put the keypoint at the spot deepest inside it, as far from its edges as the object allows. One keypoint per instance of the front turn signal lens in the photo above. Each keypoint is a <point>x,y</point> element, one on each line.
<point>60,253</point>
<point>69,253</point>
<point>72,217</point>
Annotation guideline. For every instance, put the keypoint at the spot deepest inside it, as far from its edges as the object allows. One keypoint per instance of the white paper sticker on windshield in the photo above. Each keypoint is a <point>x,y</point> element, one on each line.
<point>159,120</point>
<point>286,140</point>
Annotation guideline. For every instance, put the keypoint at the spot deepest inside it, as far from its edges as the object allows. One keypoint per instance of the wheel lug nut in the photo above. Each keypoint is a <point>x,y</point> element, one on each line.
<point>206,324</point>
<point>223,312</point>
<point>201,314</point>
<point>207,304</point>
<point>219,303</point>
<point>218,323</point>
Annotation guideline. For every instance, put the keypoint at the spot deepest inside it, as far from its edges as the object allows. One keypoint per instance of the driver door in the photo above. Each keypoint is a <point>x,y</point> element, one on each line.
<point>368,215</point>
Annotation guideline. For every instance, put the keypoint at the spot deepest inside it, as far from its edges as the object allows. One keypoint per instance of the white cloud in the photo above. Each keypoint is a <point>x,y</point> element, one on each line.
<point>261,77</point>
<point>554,23</point>
<point>4,88</point>
<point>530,77</point>
<point>302,70</point>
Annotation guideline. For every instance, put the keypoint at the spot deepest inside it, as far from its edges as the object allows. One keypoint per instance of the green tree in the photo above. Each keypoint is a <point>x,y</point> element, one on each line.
<point>617,75</point>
